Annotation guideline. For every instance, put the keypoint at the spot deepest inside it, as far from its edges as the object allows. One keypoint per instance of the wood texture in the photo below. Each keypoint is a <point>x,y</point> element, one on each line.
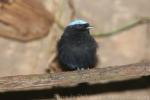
<point>48,81</point>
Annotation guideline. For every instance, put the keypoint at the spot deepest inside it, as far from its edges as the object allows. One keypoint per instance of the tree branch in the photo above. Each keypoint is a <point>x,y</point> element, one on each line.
<point>127,26</point>
<point>97,75</point>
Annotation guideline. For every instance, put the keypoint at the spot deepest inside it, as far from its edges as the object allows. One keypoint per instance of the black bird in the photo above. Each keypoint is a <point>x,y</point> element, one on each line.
<point>77,48</point>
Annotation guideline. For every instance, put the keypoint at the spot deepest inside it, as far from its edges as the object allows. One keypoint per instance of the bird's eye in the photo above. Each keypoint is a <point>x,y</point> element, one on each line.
<point>80,26</point>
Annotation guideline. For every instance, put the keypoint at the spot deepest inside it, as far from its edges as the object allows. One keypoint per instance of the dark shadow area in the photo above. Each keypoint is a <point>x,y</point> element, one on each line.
<point>81,89</point>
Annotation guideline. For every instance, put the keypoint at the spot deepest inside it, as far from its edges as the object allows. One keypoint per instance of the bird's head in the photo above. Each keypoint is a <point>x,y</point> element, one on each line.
<point>79,25</point>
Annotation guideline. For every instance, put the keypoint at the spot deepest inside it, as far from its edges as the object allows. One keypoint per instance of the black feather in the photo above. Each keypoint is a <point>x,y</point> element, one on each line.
<point>77,48</point>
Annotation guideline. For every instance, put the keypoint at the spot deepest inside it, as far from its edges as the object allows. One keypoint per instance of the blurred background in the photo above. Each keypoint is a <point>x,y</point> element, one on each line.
<point>30,29</point>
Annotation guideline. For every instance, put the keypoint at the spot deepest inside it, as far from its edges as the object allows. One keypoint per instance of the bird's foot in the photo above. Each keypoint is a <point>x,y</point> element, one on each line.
<point>81,69</point>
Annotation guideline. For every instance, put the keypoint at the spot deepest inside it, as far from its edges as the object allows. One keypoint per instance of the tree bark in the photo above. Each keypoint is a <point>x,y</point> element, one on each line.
<point>97,75</point>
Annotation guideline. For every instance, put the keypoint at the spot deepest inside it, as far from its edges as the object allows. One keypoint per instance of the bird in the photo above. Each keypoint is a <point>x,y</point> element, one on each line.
<point>76,47</point>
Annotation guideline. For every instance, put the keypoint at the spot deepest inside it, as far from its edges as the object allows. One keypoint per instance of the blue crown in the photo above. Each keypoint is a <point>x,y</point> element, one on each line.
<point>78,21</point>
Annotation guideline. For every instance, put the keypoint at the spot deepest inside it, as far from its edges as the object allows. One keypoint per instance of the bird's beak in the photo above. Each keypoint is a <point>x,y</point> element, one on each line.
<point>90,27</point>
